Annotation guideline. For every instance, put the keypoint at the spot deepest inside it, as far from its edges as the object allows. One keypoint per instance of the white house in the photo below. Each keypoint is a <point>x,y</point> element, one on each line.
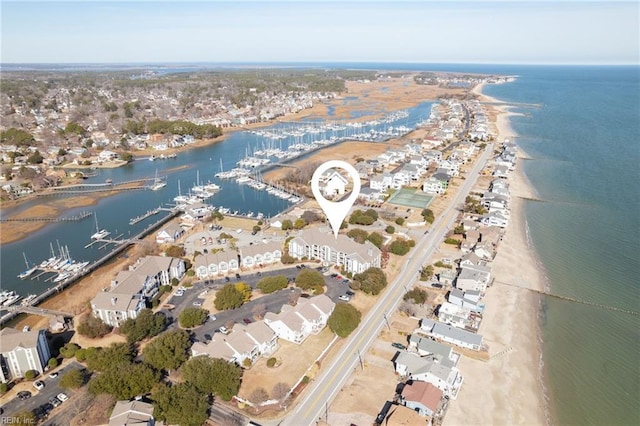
<point>134,412</point>
<point>433,186</point>
<point>447,379</point>
<point>450,334</point>
<point>21,352</point>
<point>169,234</point>
<point>474,278</point>
<point>107,155</point>
<point>343,251</point>
<point>333,183</point>
<point>455,315</point>
<point>244,342</point>
<point>429,348</point>
<point>215,264</point>
<point>422,397</point>
<point>258,255</point>
<point>466,299</point>
<point>495,219</point>
<point>296,323</point>
<point>381,182</point>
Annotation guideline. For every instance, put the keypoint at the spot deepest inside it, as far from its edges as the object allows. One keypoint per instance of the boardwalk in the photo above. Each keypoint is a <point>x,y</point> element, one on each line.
<point>75,218</point>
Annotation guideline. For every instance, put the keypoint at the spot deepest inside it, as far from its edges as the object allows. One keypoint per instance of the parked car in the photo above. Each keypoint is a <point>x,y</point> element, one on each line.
<point>344,298</point>
<point>197,303</point>
<point>238,276</point>
<point>24,395</point>
<point>247,321</point>
<point>398,345</point>
<point>345,281</point>
<point>62,396</point>
<point>213,317</point>
<point>54,375</point>
<point>55,402</point>
<point>227,279</point>
<point>436,285</point>
<point>350,293</point>
<point>38,384</point>
<point>224,330</point>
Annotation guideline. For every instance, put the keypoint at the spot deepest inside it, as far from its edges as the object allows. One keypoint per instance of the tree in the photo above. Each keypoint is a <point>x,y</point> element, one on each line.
<point>344,319</point>
<point>309,279</point>
<point>256,229</point>
<point>93,327</point>
<point>245,289</point>
<point>299,223</point>
<point>400,247</point>
<point>426,272</point>
<point>73,127</point>
<point>376,239</point>
<point>30,374</point>
<point>371,281</point>
<point>168,351</point>
<point>125,380</point>
<point>271,284</point>
<point>417,296</point>
<point>287,225</point>
<point>358,217</point>
<point>228,297</point>
<point>4,387</point>
<point>213,375</point>
<point>180,404</point>
<point>259,395</point>
<point>192,317</point>
<point>358,235</point>
<point>69,350</point>
<point>35,158</point>
<point>52,363</point>
<point>459,230</point>
<point>310,216</point>
<point>400,221</point>
<point>111,357</point>
<point>13,136</point>
<point>280,390</point>
<point>72,380</point>
<point>259,310</point>
<point>428,216</point>
<point>126,156</point>
<point>146,324</point>
<point>174,251</point>
<point>390,229</point>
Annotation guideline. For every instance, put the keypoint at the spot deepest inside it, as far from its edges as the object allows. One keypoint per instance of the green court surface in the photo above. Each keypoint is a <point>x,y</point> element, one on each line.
<point>411,198</point>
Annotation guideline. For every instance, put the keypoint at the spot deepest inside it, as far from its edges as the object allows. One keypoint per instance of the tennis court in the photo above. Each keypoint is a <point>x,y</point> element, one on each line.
<point>411,198</point>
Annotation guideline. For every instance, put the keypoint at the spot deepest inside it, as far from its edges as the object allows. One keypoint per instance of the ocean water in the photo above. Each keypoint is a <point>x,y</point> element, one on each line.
<point>584,141</point>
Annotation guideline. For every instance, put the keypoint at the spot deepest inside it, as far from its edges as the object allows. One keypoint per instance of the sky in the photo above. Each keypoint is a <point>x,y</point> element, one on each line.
<point>504,32</point>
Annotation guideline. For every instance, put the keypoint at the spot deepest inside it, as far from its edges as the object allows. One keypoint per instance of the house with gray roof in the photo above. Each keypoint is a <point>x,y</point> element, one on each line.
<point>21,352</point>
<point>134,412</point>
<point>315,244</point>
<point>429,348</point>
<point>261,254</point>
<point>296,323</point>
<point>450,334</point>
<point>466,299</point>
<point>447,379</point>
<point>215,264</point>
<point>473,277</point>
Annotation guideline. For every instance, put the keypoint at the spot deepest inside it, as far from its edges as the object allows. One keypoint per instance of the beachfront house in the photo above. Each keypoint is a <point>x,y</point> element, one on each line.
<point>315,244</point>
<point>415,367</point>
<point>296,323</point>
<point>211,265</point>
<point>495,219</point>
<point>430,349</point>
<point>466,299</point>
<point>258,255</point>
<point>21,351</point>
<point>242,343</point>
<point>450,334</point>
<point>422,397</point>
<point>134,412</point>
<point>476,278</point>
<point>454,315</point>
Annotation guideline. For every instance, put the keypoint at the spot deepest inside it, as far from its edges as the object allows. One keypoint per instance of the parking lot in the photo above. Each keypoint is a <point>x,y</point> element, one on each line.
<point>335,288</point>
<point>39,401</point>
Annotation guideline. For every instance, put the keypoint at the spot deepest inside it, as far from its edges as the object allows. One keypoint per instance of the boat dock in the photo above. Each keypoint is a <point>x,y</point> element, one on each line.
<point>148,214</point>
<point>115,251</point>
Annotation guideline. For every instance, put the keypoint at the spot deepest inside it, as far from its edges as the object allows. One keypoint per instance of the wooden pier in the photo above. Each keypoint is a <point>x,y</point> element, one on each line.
<point>75,218</point>
<point>572,299</point>
<point>148,214</point>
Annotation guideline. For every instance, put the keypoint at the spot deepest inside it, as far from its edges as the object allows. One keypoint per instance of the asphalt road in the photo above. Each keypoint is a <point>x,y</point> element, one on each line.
<point>43,396</point>
<point>324,388</point>
<point>273,302</point>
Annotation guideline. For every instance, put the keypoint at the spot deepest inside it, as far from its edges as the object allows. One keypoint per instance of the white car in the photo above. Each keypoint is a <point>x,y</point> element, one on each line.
<point>54,375</point>
<point>344,298</point>
<point>197,303</point>
<point>38,385</point>
<point>62,396</point>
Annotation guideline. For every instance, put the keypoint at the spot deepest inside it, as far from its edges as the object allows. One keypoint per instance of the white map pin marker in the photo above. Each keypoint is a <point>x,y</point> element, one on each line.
<point>335,211</point>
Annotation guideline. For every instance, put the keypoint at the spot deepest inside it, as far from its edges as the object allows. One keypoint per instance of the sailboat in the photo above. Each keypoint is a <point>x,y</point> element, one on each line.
<point>158,183</point>
<point>100,233</point>
<point>30,269</point>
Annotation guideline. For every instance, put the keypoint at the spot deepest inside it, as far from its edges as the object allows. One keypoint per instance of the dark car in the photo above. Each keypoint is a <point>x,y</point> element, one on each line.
<point>227,279</point>
<point>333,275</point>
<point>55,401</point>
<point>436,285</point>
<point>350,293</point>
<point>238,276</point>
<point>398,345</point>
<point>247,321</point>
<point>305,295</point>
<point>24,395</point>
<point>259,273</point>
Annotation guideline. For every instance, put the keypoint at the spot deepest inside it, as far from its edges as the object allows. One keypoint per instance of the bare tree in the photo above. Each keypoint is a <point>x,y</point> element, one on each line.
<point>259,310</point>
<point>293,298</point>
<point>229,324</point>
<point>280,390</point>
<point>259,395</point>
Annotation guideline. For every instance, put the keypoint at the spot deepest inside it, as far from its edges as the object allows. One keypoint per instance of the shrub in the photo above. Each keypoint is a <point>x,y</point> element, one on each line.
<point>371,281</point>
<point>191,273</point>
<point>428,215</point>
<point>309,279</point>
<point>228,297</point>
<point>69,350</point>
<point>358,217</point>
<point>441,264</point>
<point>376,239</point>
<point>400,221</point>
<point>271,362</point>
<point>146,324</point>
<point>93,327</point>
<point>358,235</point>
<point>417,295</point>
<point>72,380</point>
<point>287,259</point>
<point>174,251</point>
<point>344,319</point>
<point>53,363</point>
<point>400,246</point>
<point>426,272</point>
<point>459,230</point>
<point>30,374</point>
<point>271,284</point>
<point>390,230</point>
<point>451,241</point>
<point>4,387</point>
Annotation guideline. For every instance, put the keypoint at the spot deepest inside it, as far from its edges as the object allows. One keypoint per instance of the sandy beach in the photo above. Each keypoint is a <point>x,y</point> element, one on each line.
<point>508,388</point>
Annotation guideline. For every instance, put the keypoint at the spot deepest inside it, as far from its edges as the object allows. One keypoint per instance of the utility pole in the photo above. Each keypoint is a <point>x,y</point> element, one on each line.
<point>360,359</point>
<point>384,314</point>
